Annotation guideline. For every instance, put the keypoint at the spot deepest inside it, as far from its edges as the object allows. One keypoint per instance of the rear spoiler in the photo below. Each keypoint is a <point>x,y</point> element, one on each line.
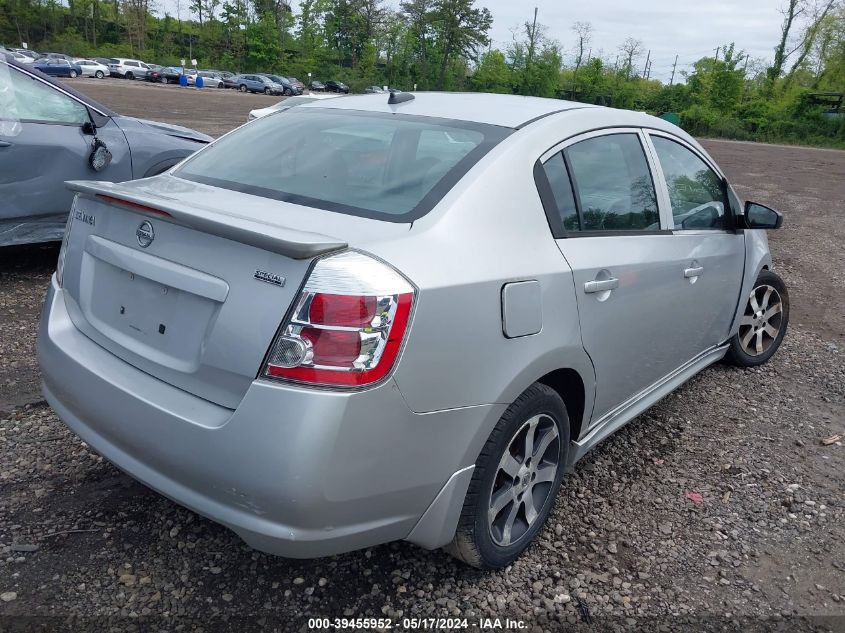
<point>270,237</point>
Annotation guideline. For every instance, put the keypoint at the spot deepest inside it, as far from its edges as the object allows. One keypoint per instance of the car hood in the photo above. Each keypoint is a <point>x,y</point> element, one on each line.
<point>128,123</point>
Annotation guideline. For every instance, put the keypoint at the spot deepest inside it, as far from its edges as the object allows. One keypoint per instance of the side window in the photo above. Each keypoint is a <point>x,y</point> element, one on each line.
<point>695,191</point>
<point>613,184</point>
<point>35,101</point>
<point>561,186</point>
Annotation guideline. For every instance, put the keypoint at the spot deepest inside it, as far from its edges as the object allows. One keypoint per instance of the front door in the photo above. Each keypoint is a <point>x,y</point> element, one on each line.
<point>707,247</point>
<point>41,146</point>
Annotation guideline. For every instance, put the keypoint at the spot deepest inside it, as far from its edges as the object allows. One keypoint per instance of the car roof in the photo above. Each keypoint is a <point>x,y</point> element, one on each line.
<point>493,109</point>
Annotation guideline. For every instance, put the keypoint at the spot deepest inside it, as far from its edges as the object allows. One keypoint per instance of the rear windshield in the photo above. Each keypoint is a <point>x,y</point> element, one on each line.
<point>384,166</point>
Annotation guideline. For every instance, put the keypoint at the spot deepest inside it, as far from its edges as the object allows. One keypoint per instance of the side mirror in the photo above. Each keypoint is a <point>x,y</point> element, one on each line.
<point>758,216</point>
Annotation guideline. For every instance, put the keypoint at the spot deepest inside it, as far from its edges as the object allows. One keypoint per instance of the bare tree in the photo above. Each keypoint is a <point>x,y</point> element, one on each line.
<point>810,35</point>
<point>791,13</point>
<point>584,34</point>
<point>630,51</point>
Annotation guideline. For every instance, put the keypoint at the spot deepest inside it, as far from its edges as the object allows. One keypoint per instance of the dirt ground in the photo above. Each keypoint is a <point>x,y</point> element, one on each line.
<point>85,547</point>
<point>211,110</point>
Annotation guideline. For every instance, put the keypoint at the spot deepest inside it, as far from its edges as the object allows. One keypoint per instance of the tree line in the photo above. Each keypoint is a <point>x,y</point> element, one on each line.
<point>445,45</point>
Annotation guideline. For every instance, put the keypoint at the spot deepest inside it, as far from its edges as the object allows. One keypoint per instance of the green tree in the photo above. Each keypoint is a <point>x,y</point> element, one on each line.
<point>493,74</point>
<point>462,29</point>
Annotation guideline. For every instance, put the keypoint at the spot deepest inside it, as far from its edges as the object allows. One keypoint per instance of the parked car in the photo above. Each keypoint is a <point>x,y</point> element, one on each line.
<point>231,81</point>
<point>317,86</point>
<point>190,75</point>
<point>289,103</point>
<point>300,87</point>
<point>18,57</point>
<point>52,133</point>
<point>163,75</point>
<point>372,90</point>
<point>291,374</point>
<point>58,67</point>
<point>257,83</point>
<point>26,52</point>
<point>337,86</point>
<point>92,68</point>
<point>210,79</point>
<point>57,56</point>
<point>106,61</point>
<point>128,68</point>
<point>287,88</point>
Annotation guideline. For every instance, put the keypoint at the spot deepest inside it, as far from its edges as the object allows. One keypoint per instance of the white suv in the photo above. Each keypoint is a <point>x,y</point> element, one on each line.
<point>128,69</point>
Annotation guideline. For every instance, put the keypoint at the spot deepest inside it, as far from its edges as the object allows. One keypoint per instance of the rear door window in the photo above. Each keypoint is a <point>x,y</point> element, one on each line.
<point>386,166</point>
<point>613,184</point>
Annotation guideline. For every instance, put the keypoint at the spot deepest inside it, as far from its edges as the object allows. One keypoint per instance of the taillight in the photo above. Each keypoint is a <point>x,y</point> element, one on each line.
<point>347,325</point>
<point>60,263</point>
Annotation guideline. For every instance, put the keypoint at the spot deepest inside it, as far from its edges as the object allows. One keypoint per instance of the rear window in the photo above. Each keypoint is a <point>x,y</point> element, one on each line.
<point>385,166</point>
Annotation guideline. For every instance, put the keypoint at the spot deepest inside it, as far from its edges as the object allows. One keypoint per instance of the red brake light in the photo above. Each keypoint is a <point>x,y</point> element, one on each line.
<point>348,324</point>
<point>350,311</point>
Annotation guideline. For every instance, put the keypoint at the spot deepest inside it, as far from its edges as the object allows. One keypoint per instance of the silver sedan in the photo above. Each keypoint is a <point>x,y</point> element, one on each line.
<point>400,316</point>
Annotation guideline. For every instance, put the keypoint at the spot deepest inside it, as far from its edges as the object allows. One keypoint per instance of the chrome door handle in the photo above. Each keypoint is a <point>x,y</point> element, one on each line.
<point>693,272</point>
<point>601,286</point>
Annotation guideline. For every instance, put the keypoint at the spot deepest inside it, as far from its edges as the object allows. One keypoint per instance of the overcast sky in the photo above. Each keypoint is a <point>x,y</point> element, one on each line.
<point>689,28</point>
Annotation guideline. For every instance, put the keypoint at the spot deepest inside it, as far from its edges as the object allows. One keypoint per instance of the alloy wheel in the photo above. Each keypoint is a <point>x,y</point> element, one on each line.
<point>761,324</point>
<point>524,480</point>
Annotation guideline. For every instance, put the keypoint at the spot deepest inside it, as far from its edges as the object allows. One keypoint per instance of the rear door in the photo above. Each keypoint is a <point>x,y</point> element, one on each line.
<point>712,252</point>
<point>615,237</point>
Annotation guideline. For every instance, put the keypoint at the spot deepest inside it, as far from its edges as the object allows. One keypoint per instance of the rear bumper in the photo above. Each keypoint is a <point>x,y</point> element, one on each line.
<point>296,472</point>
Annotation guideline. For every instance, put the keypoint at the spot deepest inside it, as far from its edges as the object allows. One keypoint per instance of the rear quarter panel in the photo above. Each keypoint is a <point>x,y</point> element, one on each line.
<point>489,230</point>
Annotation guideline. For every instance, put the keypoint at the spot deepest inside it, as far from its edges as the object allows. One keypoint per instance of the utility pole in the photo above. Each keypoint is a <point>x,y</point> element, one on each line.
<point>648,71</point>
<point>718,48</point>
<point>647,60</point>
<point>533,37</point>
<point>674,66</point>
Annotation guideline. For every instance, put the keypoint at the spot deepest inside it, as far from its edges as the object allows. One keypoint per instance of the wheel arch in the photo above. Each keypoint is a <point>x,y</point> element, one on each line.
<point>757,259</point>
<point>569,386</point>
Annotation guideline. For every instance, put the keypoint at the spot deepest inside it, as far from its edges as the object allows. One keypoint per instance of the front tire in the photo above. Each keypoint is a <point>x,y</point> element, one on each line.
<point>763,323</point>
<point>99,74</point>
<point>515,481</point>
<point>73,74</point>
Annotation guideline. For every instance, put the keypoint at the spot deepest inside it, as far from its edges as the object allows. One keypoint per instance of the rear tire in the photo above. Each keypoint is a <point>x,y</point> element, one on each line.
<point>242,88</point>
<point>513,489</point>
<point>763,323</point>
<point>130,76</point>
<point>162,80</point>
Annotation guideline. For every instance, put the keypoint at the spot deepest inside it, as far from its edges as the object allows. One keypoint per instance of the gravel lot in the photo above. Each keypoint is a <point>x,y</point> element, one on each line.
<point>84,547</point>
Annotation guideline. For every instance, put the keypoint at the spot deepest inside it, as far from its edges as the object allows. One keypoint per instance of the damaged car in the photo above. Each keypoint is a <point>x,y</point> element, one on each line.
<point>50,133</point>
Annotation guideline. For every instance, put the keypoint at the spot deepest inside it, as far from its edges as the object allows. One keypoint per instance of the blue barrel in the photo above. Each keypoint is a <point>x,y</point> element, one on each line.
<point>183,81</point>
<point>198,82</point>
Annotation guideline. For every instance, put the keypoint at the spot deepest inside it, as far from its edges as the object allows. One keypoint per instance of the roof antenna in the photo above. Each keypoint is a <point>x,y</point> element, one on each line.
<point>399,97</point>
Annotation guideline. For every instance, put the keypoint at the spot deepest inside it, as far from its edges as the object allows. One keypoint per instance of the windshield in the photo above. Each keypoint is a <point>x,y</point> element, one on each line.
<point>385,166</point>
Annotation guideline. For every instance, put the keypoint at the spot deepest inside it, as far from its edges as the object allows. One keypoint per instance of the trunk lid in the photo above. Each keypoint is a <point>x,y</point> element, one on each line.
<point>188,282</point>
